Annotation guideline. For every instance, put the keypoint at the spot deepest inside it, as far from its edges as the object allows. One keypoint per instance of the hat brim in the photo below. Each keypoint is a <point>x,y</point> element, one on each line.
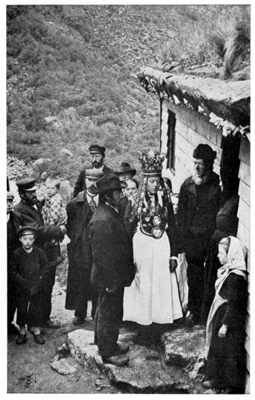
<point>110,189</point>
<point>93,178</point>
<point>132,172</point>
<point>32,189</point>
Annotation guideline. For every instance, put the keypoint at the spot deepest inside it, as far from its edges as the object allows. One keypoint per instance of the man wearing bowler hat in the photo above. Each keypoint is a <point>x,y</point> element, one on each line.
<point>199,201</point>
<point>29,209</point>
<point>97,154</point>
<point>112,269</point>
<point>79,212</point>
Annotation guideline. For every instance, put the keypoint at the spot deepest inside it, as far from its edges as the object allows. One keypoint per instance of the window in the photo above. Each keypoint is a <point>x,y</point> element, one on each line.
<point>171,140</point>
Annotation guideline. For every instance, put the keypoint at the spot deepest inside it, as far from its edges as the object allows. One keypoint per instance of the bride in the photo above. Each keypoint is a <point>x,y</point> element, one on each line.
<point>153,296</point>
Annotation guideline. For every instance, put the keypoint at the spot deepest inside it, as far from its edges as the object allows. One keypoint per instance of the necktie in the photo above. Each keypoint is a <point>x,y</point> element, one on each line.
<point>92,203</point>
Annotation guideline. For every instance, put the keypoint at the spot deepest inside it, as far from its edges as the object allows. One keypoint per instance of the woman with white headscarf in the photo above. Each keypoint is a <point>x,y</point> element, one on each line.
<point>225,329</point>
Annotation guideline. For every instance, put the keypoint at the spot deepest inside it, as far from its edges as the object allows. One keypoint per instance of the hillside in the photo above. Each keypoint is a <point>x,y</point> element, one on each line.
<point>71,75</point>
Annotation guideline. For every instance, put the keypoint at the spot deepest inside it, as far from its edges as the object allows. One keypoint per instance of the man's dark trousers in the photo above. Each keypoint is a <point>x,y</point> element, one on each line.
<point>195,273</point>
<point>85,293</point>
<point>108,318</point>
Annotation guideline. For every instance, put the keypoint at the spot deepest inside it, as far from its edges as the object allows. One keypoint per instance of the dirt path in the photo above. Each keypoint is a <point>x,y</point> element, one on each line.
<point>29,368</point>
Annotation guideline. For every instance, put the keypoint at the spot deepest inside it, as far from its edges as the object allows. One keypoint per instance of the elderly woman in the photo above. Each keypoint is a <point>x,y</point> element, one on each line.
<point>225,330</point>
<point>153,296</point>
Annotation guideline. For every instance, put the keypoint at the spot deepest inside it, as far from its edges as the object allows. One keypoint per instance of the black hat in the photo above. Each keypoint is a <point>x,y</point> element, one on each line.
<point>26,184</point>
<point>108,182</point>
<point>125,168</point>
<point>204,152</point>
<point>96,149</point>
<point>27,228</point>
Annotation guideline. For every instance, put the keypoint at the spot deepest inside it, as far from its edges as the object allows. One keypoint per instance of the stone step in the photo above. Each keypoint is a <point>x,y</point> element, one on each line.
<point>145,373</point>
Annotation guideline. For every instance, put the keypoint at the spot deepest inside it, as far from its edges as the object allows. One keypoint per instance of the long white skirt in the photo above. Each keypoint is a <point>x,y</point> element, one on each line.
<point>153,295</point>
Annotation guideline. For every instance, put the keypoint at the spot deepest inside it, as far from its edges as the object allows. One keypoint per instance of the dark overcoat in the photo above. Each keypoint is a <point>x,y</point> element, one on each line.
<point>12,233</point>
<point>226,362</point>
<point>80,183</point>
<point>111,250</point>
<point>196,215</point>
<point>33,216</point>
<point>79,250</point>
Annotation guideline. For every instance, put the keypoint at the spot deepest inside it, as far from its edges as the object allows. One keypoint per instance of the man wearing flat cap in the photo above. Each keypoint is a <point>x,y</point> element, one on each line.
<point>30,210</point>
<point>13,223</point>
<point>199,201</point>
<point>79,212</point>
<point>112,269</point>
<point>97,154</point>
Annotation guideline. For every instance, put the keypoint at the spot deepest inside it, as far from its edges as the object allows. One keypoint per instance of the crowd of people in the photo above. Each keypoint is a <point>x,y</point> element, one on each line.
<point>124,245</point>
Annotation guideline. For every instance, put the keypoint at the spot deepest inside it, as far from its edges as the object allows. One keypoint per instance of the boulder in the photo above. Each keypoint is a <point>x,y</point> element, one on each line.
<point>64,366</point>
<point>183,346</point>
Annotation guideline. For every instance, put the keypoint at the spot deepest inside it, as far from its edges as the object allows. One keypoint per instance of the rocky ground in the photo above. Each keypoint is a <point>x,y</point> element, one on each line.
<point>69,363</point>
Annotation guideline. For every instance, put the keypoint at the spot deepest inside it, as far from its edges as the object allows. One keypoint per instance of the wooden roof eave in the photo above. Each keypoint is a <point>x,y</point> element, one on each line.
<point>229,100</point>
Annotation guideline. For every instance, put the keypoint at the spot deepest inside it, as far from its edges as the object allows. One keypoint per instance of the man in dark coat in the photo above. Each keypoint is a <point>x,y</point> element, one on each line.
<point>79,213</point>
<point>112,269</point>
<point>30,210</point>
<point>199,201</point>
<point>13,224</point>
<point>97,154</point>
<point>124,173</point>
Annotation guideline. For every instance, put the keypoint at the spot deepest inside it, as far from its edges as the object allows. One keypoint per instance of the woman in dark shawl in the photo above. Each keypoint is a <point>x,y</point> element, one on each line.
<point>225,329</point>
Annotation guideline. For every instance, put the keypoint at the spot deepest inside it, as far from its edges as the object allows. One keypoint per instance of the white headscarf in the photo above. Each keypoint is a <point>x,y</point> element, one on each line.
<point>235,262</point>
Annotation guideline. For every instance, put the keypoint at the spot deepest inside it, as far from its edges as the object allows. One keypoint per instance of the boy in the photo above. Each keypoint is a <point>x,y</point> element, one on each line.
<point>28,268</point>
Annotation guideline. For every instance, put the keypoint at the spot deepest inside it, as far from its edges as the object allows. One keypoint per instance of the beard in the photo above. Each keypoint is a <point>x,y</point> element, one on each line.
<point>97,164</point>
<point>198,180</point>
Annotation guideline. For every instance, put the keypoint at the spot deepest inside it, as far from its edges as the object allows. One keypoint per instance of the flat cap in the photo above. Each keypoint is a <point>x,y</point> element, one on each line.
<point>27,230</point>
<point>96,149</point>
<point>26,184</point>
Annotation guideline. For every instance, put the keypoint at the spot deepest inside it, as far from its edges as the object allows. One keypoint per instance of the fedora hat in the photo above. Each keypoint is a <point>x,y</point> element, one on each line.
<point>125,168</point>
<point>108,182</point>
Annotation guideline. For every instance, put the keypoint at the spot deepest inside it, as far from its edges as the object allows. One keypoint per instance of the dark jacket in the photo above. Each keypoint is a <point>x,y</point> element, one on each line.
<point>12,233</point>
<point>79,250</point>
<point>111,250</point>
<point>80,183</point>
<point>31,216</point>
<point>196,215</point>
<point>28,270</point>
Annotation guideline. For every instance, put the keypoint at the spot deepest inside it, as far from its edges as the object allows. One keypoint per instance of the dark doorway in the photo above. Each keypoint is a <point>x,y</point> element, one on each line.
<point>229,170</point>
